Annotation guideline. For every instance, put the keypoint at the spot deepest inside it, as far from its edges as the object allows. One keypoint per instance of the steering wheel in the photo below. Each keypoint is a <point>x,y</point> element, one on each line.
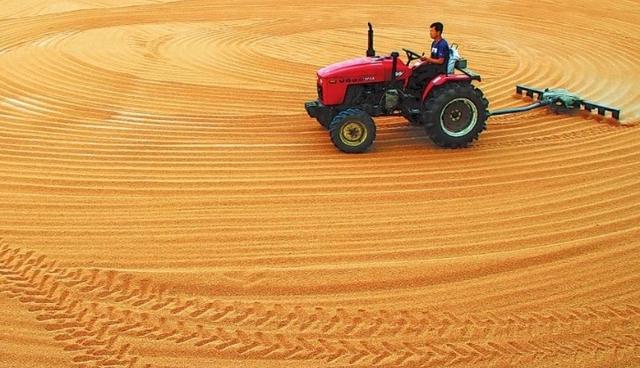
<point>412,55</point>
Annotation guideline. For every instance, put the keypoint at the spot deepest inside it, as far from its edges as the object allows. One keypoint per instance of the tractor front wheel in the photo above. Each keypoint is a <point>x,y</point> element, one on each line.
<point>352,131</point>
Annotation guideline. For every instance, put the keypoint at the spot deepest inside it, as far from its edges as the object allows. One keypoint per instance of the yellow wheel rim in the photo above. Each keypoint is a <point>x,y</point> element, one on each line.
<point>353,133</point>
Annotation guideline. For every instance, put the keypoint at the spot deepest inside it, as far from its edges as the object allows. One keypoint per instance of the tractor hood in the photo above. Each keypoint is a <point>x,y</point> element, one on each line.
<point>363,66</point>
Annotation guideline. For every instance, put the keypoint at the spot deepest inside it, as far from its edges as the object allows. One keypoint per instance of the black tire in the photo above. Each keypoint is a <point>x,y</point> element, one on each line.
<point>455,115</point>
<point>352,131</point>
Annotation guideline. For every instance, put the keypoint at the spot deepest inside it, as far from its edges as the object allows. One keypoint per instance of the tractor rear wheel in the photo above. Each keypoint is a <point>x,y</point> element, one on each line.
<point>352,131</point>
<point>455,114</point>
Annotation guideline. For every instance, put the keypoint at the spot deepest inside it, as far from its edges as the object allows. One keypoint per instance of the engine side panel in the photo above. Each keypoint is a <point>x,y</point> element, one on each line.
<point>334,80</point>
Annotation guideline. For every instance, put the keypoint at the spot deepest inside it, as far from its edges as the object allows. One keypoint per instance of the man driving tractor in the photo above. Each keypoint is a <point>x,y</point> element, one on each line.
<point>437,62</point>
<point>452,110</point>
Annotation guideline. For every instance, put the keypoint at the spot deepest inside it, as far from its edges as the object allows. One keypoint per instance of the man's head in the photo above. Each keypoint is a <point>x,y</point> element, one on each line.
<point>435,30</point>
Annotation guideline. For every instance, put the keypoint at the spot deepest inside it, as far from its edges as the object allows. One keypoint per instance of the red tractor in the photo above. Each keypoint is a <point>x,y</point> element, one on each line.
<point>451,109</point>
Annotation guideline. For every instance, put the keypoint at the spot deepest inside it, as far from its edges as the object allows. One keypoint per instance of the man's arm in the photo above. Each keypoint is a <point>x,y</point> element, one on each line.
<point>430,60</point>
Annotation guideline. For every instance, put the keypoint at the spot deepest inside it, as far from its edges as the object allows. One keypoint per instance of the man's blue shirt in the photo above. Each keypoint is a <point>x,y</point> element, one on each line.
<point>440,49</point>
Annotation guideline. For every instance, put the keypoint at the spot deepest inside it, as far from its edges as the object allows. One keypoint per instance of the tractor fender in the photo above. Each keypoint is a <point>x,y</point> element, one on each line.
<point>441,80</point>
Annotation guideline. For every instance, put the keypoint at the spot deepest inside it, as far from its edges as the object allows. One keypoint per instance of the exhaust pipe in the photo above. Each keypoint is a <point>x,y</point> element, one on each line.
<point>370,51</point>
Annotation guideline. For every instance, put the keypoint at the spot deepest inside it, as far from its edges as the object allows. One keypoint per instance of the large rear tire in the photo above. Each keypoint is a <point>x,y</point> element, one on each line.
<point>455,115</point>
<point>352,131</point>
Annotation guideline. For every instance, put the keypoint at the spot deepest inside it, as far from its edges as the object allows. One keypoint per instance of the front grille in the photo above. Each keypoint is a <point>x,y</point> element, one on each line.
<point>320,93</point>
